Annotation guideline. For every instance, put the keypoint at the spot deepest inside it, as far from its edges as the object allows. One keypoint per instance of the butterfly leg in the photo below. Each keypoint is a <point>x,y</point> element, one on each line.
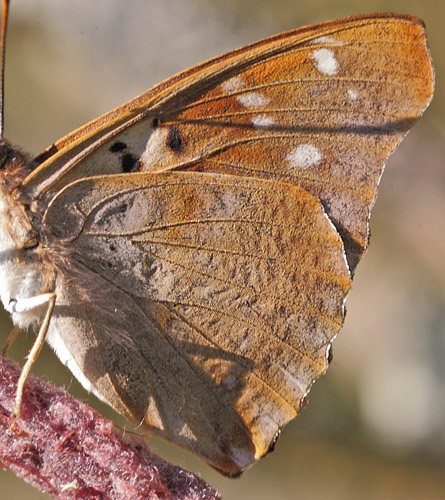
<point>10,340</point>
<point>23,306</point>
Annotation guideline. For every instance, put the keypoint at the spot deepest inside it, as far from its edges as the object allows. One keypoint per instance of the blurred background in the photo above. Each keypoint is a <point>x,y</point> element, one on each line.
<point>375,424</point>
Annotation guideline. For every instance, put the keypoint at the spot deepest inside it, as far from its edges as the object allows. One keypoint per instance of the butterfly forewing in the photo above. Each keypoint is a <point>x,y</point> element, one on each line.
<point>322,107</point>
<point>324,114</point>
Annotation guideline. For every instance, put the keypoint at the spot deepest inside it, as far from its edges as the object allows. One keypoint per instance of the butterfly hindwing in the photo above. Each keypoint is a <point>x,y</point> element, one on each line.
<point>229,295</point>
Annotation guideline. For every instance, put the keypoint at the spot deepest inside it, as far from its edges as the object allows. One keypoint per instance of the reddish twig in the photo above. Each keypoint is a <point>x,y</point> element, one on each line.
<point>66,449</point>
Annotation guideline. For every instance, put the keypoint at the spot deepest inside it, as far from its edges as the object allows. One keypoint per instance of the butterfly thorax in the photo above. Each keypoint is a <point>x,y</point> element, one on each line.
<point>21,262</point>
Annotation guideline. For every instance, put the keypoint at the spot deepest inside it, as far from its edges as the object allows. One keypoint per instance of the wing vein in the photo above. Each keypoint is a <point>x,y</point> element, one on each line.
<point>200,332</point>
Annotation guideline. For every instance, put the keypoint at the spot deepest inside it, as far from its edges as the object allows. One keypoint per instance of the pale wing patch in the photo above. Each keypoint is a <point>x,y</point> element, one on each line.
<point>327,40</point>
<point>262,121</point>
<point>244,345</point>
<point>325,61</point>
<point>156,151</point>
<point>233,85</point>
<point>253,100</point>
<point>152,410</point>
<point>328,351</point>
<point>249,99</point>
<point>304,156</point>
<point>352,94</point>
<point>230,382</point>
<point>187,432</point>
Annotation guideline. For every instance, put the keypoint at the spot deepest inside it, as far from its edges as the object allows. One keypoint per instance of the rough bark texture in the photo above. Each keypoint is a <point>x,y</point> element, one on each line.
<point>70,451</point>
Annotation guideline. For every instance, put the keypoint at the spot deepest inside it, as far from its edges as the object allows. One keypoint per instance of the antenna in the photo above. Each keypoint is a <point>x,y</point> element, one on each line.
<point>2,62</point>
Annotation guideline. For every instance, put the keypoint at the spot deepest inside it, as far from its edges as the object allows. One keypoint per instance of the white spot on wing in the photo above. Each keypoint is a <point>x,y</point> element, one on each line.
<point>325,61</point>
<point>152,410</point>
<point>327,40</point>
<point>156,151</point>
<point>252,100</point>
<point>230,382</point>
<point>248,99</point>
<point>187,432</point>
<point>232,85</point>
<point>304,156</point>
<point>352,94</point>
<point>328,351</point>
<point>262,121</point>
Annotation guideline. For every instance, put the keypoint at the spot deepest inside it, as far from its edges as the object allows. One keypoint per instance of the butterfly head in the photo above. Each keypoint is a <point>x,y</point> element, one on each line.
<point>13,165</point>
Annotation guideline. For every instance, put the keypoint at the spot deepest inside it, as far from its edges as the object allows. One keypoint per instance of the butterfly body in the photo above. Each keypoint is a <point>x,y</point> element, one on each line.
<point>21,273</point>
<point>198,243</point>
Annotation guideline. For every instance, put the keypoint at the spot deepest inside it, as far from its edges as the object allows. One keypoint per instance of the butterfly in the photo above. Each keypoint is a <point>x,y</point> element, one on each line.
<point>188,255</point>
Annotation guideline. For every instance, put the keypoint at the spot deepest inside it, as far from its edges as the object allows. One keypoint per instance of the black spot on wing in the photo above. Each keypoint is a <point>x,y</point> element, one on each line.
<point>130,163</point>
<point>174,140</point>
<point>118,146</point>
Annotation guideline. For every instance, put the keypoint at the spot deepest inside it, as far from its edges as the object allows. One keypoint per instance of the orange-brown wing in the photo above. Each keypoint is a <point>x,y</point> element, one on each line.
<point>205,303</point>
<point>322,107</point>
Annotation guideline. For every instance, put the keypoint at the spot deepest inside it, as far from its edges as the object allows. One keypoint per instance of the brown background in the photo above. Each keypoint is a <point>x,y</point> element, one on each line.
<point>375,425</point>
